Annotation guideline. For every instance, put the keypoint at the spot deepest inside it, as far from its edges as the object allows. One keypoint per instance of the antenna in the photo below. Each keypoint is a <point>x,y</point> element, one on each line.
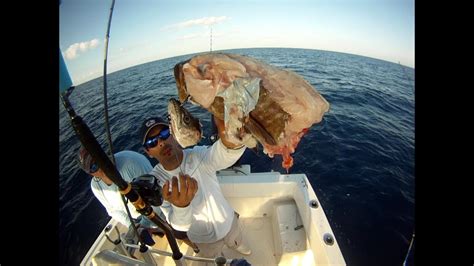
<point>211,40</point>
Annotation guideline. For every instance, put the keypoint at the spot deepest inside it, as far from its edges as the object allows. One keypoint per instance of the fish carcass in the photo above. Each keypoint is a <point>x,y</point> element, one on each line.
<point>256,100</point>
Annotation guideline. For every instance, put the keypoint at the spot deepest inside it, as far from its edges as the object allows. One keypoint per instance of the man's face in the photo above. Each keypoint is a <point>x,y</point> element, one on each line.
<point>166,150</point>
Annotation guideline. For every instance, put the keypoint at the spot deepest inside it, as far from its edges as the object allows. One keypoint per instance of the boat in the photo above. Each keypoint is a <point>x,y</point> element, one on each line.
<point>283,223</point>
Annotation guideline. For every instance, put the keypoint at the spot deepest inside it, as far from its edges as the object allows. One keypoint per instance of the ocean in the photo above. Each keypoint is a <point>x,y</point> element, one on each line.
<point>359,159</point>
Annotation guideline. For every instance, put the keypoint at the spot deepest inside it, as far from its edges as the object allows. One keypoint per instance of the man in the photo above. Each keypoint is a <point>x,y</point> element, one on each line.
<point>197,204</point>
<point>130,164</point>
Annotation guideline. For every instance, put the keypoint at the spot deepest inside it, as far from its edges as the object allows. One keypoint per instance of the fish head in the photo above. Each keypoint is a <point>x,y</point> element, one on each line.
<point>180,81</point>
<point>183,94</point>
<point>185,128</point>
<point>195,83</point>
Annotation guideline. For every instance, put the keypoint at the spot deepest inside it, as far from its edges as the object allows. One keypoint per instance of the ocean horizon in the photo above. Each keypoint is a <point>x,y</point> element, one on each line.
<point>359,159</point>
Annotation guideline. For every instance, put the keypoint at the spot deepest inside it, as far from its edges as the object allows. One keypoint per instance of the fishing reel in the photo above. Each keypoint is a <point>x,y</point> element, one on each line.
<point>148,188</point>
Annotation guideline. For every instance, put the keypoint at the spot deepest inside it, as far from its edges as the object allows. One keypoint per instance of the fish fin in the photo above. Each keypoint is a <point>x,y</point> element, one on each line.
<point>259,132</point>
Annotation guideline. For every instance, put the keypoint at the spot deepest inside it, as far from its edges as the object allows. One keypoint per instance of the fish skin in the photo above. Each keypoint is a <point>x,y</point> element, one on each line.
<point>185,128</point>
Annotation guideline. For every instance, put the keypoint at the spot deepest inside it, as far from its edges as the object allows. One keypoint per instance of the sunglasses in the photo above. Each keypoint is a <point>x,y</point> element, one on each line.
<point>153,141</point>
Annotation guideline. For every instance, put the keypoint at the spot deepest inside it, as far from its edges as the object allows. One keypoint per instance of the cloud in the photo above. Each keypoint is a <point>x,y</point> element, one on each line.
<point>74,50</point>
<point>206,21</point>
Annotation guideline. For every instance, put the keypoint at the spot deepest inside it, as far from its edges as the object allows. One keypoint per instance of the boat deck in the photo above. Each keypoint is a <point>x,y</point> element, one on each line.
<point>258,236</point>
<point>282,222</point>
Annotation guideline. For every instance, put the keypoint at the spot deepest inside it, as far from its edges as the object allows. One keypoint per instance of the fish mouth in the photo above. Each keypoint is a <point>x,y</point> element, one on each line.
<point>173,113</point>
<point>180,81</point>
<point>173,109</point>
<point>173,105</point>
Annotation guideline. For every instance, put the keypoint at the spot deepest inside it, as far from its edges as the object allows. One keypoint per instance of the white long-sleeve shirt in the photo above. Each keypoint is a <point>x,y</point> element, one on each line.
<point>208,218</point>
<point>130,164</point>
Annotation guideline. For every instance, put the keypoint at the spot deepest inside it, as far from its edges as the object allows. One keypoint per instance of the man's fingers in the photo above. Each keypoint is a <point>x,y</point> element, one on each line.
<point>189,184</point>
<point>174,188</point>
<point>192,188</point>
<point>182,184</point>
<point>186,188</point>
<point>180,196</point>
<point>195,185</point>
<point>166,192</point>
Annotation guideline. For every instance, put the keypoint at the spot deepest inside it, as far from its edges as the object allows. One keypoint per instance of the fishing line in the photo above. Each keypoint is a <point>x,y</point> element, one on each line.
<point>106,112</point>
<point>106,118</point>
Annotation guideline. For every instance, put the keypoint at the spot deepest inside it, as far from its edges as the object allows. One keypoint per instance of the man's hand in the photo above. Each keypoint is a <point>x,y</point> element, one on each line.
<point>184,195</point>
<point>221,131</point>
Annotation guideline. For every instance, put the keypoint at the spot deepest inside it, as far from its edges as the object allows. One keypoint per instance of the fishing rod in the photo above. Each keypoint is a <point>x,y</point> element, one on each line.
<point>409,258</point>
<point>106,113</point>
<point>90,143</point>
<point>138,193</point>
<point>106,109</point>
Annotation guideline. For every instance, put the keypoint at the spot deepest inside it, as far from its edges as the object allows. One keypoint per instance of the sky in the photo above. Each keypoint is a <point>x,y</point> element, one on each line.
<point>147,30</point>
